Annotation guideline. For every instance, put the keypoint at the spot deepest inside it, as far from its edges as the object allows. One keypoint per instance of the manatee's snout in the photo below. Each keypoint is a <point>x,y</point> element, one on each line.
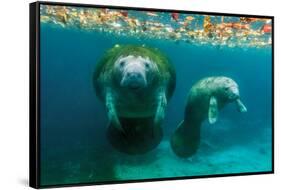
<point>134,77</point>
<point>133,80</point>
<point>234,95</point>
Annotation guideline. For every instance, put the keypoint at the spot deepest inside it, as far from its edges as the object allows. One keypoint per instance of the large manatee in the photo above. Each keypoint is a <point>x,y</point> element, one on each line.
<point>204,100</point>
<point>134,83</point>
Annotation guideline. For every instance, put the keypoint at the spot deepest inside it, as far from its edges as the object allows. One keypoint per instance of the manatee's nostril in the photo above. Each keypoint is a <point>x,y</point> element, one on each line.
<point>134,75</point>
<point>133,80</point>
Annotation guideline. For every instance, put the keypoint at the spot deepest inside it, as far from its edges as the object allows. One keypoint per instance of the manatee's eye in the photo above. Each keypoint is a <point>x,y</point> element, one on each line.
<point>146,64</point>
<point>225,88</point>
<point>122,63</point>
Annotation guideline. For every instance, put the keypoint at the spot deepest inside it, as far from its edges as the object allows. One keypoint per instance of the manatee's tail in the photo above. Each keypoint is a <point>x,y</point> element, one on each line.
<point>186,138</point>
<point>141,136</point>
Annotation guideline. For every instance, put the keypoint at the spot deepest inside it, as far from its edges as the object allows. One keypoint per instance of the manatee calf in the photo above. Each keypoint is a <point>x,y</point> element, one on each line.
<point>134,83</point>
<point>204,100</point>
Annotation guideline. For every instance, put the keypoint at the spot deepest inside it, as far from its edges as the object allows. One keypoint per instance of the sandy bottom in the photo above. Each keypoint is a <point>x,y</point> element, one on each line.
<point>163,163</point>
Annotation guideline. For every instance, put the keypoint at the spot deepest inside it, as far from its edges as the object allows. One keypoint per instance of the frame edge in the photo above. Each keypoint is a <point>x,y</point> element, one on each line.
<point>33,64</point>
<point>34,99</point>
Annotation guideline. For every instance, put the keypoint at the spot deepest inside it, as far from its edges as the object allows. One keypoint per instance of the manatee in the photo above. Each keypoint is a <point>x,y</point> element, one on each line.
<point>141,135</point>
<point>135,84</point>
<point>204,100</point>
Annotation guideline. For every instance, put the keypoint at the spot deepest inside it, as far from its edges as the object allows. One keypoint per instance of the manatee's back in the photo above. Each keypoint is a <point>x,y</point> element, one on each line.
<point>102,76</point>
<point>102,72</point>
<point>198,101</point>
<point>166,70</point>
<point>186,138</point>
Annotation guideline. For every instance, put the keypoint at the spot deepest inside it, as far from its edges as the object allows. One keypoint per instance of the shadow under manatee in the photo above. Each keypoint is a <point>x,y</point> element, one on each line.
<point>140,135</point>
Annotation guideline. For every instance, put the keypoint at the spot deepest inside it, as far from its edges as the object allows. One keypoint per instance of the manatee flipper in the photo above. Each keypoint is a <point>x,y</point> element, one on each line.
<point>161,107</point>
<point>241,106</point>
<point>213,111</point>
<point>111,111</point>
<point>186,139</point>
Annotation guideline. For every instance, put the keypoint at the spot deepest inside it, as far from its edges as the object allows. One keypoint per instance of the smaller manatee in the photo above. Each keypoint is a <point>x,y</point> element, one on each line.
<point>204,100</point>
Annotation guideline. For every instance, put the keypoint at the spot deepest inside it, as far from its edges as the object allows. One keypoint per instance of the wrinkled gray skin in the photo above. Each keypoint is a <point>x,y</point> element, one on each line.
<point>205,99</point>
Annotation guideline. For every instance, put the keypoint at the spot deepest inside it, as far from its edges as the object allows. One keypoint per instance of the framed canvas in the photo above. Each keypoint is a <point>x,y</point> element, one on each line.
<point>126,94</point>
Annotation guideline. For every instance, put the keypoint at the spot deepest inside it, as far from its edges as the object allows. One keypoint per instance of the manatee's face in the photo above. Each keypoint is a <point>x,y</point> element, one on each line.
<point>229,88</point>
<point>134,72</point>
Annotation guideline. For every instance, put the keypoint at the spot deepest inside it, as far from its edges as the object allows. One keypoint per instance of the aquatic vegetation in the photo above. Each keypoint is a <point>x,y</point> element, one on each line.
<point>196,29</point>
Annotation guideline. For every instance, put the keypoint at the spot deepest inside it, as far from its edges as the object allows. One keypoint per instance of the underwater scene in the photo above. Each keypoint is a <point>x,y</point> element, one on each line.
<point>142,95</point>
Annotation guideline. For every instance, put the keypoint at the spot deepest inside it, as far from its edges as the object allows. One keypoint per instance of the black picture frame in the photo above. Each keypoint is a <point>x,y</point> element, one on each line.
<point>34,93</point>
